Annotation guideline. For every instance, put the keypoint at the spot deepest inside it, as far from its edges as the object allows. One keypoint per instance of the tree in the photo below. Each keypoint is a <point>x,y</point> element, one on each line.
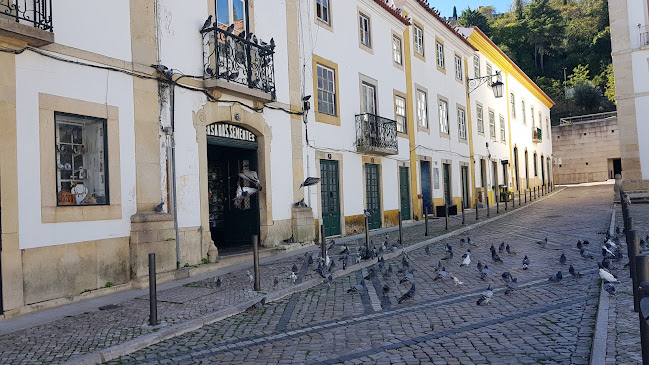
<point>474,18</point>
<point>454,13</point>
<point>587,97</point>
<point>579,75</point>
<point>517,8</point>
<point>609,89</point>
<point>545,29</point>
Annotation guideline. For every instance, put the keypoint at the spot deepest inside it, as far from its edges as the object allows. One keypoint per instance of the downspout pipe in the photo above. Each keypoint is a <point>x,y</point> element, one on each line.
<point>172,106</point>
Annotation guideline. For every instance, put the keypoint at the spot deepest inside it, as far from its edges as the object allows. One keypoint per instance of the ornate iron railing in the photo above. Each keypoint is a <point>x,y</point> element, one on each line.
<point>536,134</point>
<point>35,12</point>
<point>376,134</point>
<point>233,58</point>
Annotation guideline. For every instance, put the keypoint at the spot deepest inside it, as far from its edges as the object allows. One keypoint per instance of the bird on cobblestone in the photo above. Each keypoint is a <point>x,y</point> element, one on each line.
<point>484,273</point>
<point>486,296</point>
<point>563,259</point>
<point>455,280</point>
<point>218,282</point>
<point>607,276</point>
<point>642,244</point>
<point>467,259</point>
<point>526,263</point>
<point>580,245</point>
<point>408,295</point>
<point>511,286</point>
<point>480,267</point>
<point>310,260</point>
<point>496,258</point>
<point>358,287</point>
<point>258,305</point>
<point>427,249</point>
<point>251,278</point>
<point>556,277</point>
<point>275,282</point>
<point>607,253</point>
<point>617,230</point>
<point>543,243</point>
<point>467,253</point>
<point>389,271</point>
<point>294,269</point>
<point>439,266</point>
<point>606,263</point>
<point>492,249</point>
<point>468,240</point>
<point>441,274</point>
<point>585,254</point>
<point>293,277</point>
<point>462,240</point>
<point>332,266</point>
<point>344,250</point>
<point>501,248</point>
<point>386,290</point>
<point>610,288</point>
<point>506,277</point>
<point>330,278</point>
<point>449,255</point>
<point>509,250</point>
<point>574,272</point>
<point>409,276</point>
<point>332,245</point>
<point>371,273</point>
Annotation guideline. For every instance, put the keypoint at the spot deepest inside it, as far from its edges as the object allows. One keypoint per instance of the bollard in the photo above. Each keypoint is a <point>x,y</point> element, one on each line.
<point>535,193</point>
<point>426,220</point>
<point>506,200</point>
<point>463,212</point>
<point>633,250</point>
<point>323,242</point>
<point>642,274</point>
<point>367,237</point>
<point>488,211</point>
<point>477,217</point>
<point>497,196</point>
<point>530,196</point>
<point>255,260</point>
<point>153,297</point>
<point>446,214</point>
<point>400,229</point>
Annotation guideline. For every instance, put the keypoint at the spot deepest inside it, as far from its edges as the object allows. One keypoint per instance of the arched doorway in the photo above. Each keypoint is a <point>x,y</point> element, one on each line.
<point>233,186</point>
<point>516,167</point>
<point>527,171</point>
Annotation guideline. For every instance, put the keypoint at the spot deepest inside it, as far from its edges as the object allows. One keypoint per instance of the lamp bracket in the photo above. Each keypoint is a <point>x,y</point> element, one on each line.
<point>476,82</point>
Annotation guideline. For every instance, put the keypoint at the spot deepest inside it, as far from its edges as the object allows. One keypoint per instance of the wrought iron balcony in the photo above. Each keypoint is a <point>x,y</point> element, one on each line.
<point>240,64</point>
<point>376,134</point>
<point>536,135</point>
<point>37,13</point>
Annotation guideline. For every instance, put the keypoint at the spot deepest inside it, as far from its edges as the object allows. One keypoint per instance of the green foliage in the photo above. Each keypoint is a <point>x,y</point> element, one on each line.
<point>474,18</point>
<point>579,75</point>
<point>587,97</point>
<point>109,284</point>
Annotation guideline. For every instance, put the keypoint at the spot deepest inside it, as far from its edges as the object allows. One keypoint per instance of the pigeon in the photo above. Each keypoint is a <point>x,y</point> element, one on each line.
<point>574,272</point>
<point>511,286</point>
<point>309,260</point>
<point>617,230</point>
<point>158,208</point>
<point>468,240</point>
<point>509,250</point>
<point>294,269</point>
<point>486,296</point>
<point>610,288</point>
<point>386,290</point>
<point>358,287</point>
<point>408,295</point>
<point>543,243</point>
<point>275,282</point>
<point>309,180</point>
<point>427,249</point>
<point>606,252</point>
<point>580,245</point>
<point>293,277</point>
<point>506,277</point>
<point>218,282</point>
<point>467,253</point>
<point>610,244</point>
<point>439,266</point>
<point>370,274</point>
<point>586,242</point>
<point>607,276</point>
<point>484,273</point>
<point>492,249</point>
<point>496,258</point>
<point>456,280</point>
<point>251,278</point>
<point>586,255</point>
<point>462,240</point>
<point>389,270</point>
<point>448,256</point>
<point>467,259</point>
<point>367,213</point>
<point>332,266</point>
<point>332,245</point>
<point>562,259</point>
<point>501,248</point>
<point>449,248</point>
<point>230,28</point>
<point>642,244</point>
<point>526,263</point>
<point>606,263</point>
<point>409,276</point>
<point>441,274</point>
<point>480,266</point>
<point>556,277</point>
<point>258,305</point>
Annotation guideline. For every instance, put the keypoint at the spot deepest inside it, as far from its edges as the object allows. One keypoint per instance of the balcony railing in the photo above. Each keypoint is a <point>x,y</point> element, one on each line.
<point>536,135</point>
<point>376,134</point>
<point>37,13</point>
<point>234,59</point>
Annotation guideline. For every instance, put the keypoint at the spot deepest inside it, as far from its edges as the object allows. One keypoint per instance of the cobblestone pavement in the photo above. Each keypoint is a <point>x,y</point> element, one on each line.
<point>540,322</point>
<point>623,340</point>
<point>64,339</point>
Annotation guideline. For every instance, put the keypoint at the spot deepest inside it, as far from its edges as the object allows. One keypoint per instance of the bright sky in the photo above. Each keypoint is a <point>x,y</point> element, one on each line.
<point>446,7</point>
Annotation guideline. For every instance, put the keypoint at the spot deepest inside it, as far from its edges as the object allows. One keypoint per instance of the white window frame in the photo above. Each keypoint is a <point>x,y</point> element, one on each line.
<point>418,37</point>
<point>368,98</point>
<point>324,9</point>
<point>512,100</point>
<point>533,121</point>
<point>461,123</point>
<point>458,67</point>
<point>489,69</point>
<point>422,108</point>
<point>231,12</point>
<point>400,114</point>
<point>523,109</point>
<point>397,50</point>
<point>324,79</point>
<point>440,54</point>
<point>502,129</point>
<point>476,65</point>
<point>492,124</point>
<point>479,111</point>
<point>443,116</point>
<point>547,126</point>
<point>365,30</point>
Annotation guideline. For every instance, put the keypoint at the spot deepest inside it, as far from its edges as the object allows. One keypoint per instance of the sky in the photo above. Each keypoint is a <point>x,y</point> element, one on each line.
<point>446,7</point>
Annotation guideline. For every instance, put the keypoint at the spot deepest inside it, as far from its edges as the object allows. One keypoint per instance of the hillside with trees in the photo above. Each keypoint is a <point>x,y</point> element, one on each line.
<point>553,39</point>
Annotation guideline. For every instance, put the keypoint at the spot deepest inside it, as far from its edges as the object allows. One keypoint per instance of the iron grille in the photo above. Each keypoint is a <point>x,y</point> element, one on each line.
<point>233,58</point>
<point>536,134</point>
<point>644,39</point>
<point>38,13</point>
<point>376,134</point>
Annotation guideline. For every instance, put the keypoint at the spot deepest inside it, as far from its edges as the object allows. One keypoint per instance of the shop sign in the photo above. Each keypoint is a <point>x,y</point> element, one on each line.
<point>225,130</point>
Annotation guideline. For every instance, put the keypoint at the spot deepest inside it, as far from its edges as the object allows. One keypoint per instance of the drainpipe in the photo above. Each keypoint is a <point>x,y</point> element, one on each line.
<point>172,168</point>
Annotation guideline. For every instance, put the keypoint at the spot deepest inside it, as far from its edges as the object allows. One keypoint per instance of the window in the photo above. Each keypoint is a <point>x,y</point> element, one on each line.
<point>458,67</point>
<point>396,50</point>
<point>489,70</point>
<point>81,160</point>
<point>400,113</point>
<point>422,112</point>
<point>443,116</point>
<point>326,90</point>
<point>322,10</point>
<point>419,40</point>
<point>368,98</point>
<point>540,121</point>
<point>478,112</point>
<point>476,65</point>
<point>535,168</point>
<point>231,12</point>
<point>547,126</point>
<point>365,30</point>
<point>533,124</point>
<point>440,55</point>
<point>512,100</point>
<point>461,123</point>
<point>492,124</point>
<point>502,129</point>
<point>523,109</point>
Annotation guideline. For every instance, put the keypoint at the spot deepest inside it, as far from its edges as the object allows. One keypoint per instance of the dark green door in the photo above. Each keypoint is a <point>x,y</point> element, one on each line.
<point>447,184</point>
<point>330,197</point>
<point>404,193</point>
<point>373,195</point>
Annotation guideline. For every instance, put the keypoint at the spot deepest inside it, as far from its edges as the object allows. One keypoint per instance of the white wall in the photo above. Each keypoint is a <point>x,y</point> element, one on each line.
<point>37,74</point>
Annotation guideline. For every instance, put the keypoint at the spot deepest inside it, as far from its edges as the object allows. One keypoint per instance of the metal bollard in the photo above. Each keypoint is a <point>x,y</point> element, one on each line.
<point>426,220</point>
<point>400,229</point>
<point>446,214</point>
<point>255,260</point>
<point>633,250</point>
<point>477,217</point>
<point>463,212</point>
<point>535,193</point>
<point>506,200</point>
<point>367,236</point>
<point>488,210</point>
<point>642,274</point>
<point>519,198</point>
<point>497,203</point>
<point>153,296</point>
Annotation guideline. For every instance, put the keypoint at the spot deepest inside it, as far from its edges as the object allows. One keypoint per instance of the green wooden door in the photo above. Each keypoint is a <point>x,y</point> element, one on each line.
<point>404,193</point>
<point>373,195</point>
<point>330,197</point>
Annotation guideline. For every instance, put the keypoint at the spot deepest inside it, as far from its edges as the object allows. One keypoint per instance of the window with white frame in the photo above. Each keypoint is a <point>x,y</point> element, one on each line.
<point>458,67</point>
<point>422,112</point>
<point>364,23</point>
<point>532,109</point>
<point>400,113</point>
<point>479,117</point>
<point>322,11</point>
<point>231,12</point>
<point>476,65</point>
<point>523,111</point>
<point>547,126</point>
<point>396,50</point>
<point>502,129</point>
<point>81,159</point>
<point>489,70</point>
<point>540,121</point>
<point>326,90</point>
<point>512,101</point>
<point>461,123</point>
<point>368,98</point>
<point>440,55</point>
<point>492,124</point>
<point>419,39</point>
<point>443,116</point>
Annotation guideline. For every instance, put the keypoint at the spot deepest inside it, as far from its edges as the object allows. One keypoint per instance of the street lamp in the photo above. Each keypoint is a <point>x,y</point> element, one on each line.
<point>497,86</point>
